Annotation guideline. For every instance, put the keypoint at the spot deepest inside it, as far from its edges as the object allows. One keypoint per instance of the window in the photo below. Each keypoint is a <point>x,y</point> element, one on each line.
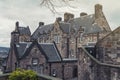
<point>72,40</point>
<point>57,38</point>
<point>35,61</point>
<point>71,53</point>
<point>54,73</point>
<point>81,37</point>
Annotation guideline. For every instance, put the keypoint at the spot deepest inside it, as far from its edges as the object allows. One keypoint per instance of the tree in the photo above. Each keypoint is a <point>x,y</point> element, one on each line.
<point>21,74</point>
<point>52,4</point>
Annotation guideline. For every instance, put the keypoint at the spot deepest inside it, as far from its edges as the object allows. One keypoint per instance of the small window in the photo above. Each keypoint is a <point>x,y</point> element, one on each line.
<point>81,37</point>
<point>71,53</point>
<point>57,38</point>
<point>54,73</point>
<point>35,61</point>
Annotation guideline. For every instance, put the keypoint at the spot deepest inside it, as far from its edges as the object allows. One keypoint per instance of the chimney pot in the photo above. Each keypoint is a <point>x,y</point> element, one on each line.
<point>68,16</point>
<point>41,23</point>
<point>83,14</point>
<point>59,19</point>
<point>17,24</point>
<point>98,10</point>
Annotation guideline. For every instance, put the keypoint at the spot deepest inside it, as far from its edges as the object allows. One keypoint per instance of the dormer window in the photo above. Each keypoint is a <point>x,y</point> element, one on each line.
<point>35,61</point>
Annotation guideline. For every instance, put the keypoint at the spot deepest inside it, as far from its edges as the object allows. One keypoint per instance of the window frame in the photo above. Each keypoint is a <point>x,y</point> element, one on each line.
<point>35,62</point>
<point>56,38</point>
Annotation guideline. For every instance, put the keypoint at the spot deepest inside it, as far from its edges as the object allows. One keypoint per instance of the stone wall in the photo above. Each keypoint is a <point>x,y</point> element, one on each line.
<point>40,77</point>
<point>89,68</point>
<point>108,49</point>
<point>65,70</point>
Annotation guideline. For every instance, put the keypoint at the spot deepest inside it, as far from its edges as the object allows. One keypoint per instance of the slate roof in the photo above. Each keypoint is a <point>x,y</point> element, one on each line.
<point>44,29</point>
<point>49,50</point>
<point>65,27</point>
<point>22,47</point>
<point>24,30</point>
<point>4,52</point>
<point>87,22</point>
<point>3,55</point>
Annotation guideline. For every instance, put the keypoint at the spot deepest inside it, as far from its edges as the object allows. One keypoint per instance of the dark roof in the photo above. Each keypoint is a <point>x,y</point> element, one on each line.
<point>22,47</point>
<point>51,52</point>
<point>4,49</point>
<point>4,52</point>
<point>3,55</point>
<point>44,29</point>
<point>87,22</point>
<point>49,49</point>
<point>65,27</point>
<point>24,30</point>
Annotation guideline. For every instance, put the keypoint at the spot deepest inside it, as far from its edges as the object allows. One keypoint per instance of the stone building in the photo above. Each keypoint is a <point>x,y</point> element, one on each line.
<point>73,32</point>
<point>105,66</point>
<point>44,58</point>
<point>66,48</point>
<point>109,48</point>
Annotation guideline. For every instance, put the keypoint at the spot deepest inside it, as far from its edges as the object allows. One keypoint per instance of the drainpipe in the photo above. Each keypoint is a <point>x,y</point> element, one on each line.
<point>67,47</point>
<point>76,47</point>
<point>98,36</point>
<point>50,69</point>
<point>63,66</point>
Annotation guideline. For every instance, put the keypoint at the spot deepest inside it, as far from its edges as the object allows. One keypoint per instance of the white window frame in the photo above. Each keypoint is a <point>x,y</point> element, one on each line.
<point>57,38</point>
<point>35,61</point>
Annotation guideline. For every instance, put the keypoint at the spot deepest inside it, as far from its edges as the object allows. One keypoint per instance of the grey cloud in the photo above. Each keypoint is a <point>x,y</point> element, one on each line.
<point>29,12</point>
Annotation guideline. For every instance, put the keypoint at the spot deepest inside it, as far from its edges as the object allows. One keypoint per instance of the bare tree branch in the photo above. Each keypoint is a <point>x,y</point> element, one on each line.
<point>50,4</point>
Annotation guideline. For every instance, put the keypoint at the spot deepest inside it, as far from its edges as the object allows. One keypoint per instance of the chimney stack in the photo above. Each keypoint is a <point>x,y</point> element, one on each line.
<point>98,11</point>
<point>68,16</point>
<point>41,23</point>
<point>59,19</point>
<point>16,26</point>
<point>83,14</point>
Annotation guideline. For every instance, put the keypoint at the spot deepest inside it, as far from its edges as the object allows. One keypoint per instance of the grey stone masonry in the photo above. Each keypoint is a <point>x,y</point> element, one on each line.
<point>89,68</point>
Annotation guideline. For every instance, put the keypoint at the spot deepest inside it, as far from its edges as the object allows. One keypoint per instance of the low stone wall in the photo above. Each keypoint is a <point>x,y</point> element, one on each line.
<point>40,77</point>
<point>44,77</point>
<point>89,68</point>
<point>4,76</point>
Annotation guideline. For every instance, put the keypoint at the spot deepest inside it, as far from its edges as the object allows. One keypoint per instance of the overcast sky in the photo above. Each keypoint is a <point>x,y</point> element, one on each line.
<point>30,13</point>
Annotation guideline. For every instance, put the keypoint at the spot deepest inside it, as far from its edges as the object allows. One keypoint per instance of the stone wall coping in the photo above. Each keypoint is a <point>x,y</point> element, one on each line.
<point>48,77</point>
<point>6,74</point>
<point>98,62</point>
<point>39,75</point>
